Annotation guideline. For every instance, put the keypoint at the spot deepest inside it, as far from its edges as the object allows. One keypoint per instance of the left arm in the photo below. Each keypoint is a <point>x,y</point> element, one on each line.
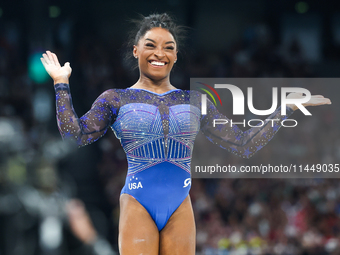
<point>246,143</point>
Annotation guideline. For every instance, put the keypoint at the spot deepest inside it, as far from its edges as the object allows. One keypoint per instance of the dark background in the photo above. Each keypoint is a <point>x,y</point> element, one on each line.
<point>39,172</point>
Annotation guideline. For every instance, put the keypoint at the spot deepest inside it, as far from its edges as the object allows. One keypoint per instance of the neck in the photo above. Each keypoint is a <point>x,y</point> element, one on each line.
<point>159,86</point>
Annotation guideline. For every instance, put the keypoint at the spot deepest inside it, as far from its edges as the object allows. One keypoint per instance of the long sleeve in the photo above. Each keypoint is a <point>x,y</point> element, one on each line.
<point>232,138</point>
<point>93,125</point>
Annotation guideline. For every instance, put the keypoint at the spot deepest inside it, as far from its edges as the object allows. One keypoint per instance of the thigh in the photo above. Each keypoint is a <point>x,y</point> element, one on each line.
<point>178,237</point>
<point>138,233</point>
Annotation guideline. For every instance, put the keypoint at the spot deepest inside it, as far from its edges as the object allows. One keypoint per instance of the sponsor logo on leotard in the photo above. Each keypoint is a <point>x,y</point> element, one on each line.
<point>135,185</point>
<point>187,182</point>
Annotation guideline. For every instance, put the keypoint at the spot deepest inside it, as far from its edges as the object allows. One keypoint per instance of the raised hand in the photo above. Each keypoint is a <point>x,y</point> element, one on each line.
<point>315,100</point>
<point>60,74</point>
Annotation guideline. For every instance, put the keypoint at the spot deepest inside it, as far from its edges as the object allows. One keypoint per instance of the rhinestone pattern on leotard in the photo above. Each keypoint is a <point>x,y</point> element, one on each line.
<point>154,128</point>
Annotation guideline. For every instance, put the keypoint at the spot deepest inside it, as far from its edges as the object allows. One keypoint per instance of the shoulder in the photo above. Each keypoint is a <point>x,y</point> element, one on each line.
<point>192,94</point>
<point>110,96</point>
<point>117,92</point>
<point>192,97</point>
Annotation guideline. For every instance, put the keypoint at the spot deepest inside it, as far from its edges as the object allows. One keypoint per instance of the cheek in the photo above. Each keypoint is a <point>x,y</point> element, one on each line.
<point>172,56</point>
<point>145,54</point>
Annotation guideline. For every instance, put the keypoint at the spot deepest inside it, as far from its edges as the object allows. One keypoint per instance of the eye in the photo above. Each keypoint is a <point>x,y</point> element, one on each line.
<point>149,45</point>
<point>170,48</point>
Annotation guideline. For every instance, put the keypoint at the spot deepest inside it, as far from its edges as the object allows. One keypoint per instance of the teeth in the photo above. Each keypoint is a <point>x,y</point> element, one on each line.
<point>157,63</point>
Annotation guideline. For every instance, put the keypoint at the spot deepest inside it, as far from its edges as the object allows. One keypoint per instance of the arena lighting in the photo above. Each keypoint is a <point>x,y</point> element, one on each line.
<point>54,149</point>
<point>11,134</point>
<point>36,70</point>
<point>50,233</point>
<point>301,7</point>
<point>7,130</point>
<point>54,11</point>
<point>42,105</point>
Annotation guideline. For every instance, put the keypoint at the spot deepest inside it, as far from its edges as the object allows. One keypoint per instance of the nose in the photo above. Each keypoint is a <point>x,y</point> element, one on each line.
<point>159,53</point>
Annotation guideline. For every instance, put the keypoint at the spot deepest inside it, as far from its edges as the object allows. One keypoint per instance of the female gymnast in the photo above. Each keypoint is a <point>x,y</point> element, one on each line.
<point>156,124</point>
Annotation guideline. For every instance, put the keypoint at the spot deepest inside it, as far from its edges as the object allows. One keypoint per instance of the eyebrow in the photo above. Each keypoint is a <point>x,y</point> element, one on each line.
<point>155,42</point>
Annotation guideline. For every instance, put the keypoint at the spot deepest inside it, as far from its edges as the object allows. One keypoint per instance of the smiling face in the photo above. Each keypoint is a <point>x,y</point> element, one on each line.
<point>156,52</point>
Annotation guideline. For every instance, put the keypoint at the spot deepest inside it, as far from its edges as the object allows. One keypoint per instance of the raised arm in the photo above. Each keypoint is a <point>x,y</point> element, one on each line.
<point>246,143</point>
<point>95,122</point>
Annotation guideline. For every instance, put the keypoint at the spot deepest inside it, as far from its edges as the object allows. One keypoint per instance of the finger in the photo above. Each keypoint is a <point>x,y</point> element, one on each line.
<point>67,64</point>
<point>43,61</point>
<point>327,101</point>
<point>55,59</point>
<point>320,101</point>
<point>46,58</point>
<point>50,57</point>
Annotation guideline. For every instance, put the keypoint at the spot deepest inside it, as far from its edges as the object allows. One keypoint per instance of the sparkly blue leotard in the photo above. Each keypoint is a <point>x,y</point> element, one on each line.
<point>157,132</point>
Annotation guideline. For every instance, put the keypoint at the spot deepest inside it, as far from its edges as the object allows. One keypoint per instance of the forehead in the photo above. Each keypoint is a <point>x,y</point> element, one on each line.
<point>158,34</point>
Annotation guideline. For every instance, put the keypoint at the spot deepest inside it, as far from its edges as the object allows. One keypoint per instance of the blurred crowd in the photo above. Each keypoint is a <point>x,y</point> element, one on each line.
<point>41,176</point>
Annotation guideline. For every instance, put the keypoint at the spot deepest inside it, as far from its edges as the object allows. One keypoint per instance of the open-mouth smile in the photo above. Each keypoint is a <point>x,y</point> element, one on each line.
<point>156,63</point>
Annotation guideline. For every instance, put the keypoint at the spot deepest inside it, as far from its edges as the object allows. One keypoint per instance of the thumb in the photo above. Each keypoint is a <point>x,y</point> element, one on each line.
<point>67,64</point>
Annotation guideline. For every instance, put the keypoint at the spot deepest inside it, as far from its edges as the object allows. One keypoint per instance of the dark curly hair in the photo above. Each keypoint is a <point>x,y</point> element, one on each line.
<point>144,24</point>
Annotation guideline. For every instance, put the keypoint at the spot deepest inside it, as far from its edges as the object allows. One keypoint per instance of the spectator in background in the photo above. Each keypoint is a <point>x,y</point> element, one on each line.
<point>82,227</point>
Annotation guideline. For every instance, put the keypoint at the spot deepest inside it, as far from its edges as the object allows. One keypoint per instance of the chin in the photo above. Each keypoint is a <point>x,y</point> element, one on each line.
<point>158,77</point>
<point>155,76</point>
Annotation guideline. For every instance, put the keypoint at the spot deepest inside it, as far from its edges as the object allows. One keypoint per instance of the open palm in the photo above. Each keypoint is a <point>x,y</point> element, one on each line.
<point>53,67</point>
<point>315,100</point>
